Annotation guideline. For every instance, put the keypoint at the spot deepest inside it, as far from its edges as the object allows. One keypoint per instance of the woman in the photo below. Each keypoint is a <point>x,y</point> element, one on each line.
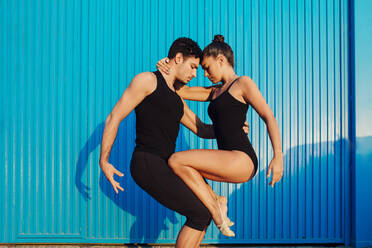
<point>235,161</point>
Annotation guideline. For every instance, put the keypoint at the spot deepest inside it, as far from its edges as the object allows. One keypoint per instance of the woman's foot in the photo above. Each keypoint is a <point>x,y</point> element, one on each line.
<point>221,222</point>
<point>223,204</point>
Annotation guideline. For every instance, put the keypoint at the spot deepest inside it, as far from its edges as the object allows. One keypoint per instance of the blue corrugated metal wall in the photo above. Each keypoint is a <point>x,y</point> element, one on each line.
<point>64,64</point>
<point>361,135</point>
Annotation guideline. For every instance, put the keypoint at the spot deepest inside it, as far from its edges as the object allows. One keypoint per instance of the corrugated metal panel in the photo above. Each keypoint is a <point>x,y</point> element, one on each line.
<point>65,64</point>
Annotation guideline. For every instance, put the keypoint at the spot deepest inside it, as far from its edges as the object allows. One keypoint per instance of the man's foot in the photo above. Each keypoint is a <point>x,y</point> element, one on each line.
<point>223,204</point>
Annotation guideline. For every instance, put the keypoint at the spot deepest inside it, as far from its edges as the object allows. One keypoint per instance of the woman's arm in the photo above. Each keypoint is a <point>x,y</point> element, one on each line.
<point>197,93</point>
<point>192,122</point>
<point>252,95</point>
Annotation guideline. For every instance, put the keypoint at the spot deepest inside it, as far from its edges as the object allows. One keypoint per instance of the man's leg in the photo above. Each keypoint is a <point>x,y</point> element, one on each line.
<point>189,238</point>
<point>154,175</point>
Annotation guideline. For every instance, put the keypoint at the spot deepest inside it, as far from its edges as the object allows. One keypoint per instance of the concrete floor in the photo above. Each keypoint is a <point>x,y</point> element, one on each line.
<point>153,246</point>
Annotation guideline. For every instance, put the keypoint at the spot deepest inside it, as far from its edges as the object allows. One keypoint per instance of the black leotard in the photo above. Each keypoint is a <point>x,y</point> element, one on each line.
<point>228,115</point>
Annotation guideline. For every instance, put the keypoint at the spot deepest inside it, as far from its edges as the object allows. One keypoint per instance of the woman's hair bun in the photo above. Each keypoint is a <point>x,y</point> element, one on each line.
<point>219,38</point>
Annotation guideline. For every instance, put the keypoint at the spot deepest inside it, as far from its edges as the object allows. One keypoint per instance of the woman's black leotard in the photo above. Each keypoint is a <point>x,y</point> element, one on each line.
<point>157,123</point>
<point>228,115</point>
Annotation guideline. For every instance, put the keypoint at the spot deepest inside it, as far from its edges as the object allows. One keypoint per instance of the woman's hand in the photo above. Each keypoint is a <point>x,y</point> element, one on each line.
<point>109,171</point>
<point>276,166</point>
<point>163,65</point>
<point>246,128</point>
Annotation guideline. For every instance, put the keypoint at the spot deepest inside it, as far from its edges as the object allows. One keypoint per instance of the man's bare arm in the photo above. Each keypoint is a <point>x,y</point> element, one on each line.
<point>141,86</point>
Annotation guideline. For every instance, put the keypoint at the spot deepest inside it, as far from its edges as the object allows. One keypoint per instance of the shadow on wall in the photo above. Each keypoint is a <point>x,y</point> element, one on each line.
<point>361,190</point>
<point>136,202</point>
<point>312,172</point>
<point>133,200</point>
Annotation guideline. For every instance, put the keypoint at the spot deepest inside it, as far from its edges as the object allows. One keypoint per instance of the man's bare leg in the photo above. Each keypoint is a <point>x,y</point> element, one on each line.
<point>189,238</point>
<point>201,237</point>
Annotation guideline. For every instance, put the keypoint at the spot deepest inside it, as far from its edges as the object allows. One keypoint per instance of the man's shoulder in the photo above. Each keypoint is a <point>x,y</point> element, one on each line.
<point>146,76</point>
<point>145,81</point>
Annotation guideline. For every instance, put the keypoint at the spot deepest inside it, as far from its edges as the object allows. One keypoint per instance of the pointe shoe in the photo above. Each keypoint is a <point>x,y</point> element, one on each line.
<point>223,227</point>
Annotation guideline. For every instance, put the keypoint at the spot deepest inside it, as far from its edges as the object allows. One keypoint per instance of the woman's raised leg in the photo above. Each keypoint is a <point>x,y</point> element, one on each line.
<point>220,165</point>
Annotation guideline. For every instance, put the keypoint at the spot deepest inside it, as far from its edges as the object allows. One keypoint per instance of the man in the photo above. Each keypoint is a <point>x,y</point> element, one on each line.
<point>159,111</point>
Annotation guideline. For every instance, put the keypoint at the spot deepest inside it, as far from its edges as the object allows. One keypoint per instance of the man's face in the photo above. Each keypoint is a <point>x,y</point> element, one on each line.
<point>186,69</point>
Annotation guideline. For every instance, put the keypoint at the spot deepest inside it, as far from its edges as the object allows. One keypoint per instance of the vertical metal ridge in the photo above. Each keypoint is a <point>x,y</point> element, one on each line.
<point>14,157</point>
<point>338,175</point>
<point>312,130</point>
<point>345,81</point>
<point>52,119</point>
<point>3,124</point>
<point>44,132</point>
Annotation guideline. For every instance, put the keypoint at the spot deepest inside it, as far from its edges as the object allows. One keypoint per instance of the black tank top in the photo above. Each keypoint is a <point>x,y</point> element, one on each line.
<point>158,119</point>
<point>228,116</point>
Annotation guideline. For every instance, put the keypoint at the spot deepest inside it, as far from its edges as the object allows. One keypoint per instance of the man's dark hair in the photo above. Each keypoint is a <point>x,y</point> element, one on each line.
<point>186,46</point>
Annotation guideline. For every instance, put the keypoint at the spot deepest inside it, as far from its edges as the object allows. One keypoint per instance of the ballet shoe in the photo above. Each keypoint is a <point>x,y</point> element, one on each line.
<point>223,227</point>
<point>229,222</point>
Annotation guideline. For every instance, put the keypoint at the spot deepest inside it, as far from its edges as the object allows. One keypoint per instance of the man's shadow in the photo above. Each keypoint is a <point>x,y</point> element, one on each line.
<point>148,223</point>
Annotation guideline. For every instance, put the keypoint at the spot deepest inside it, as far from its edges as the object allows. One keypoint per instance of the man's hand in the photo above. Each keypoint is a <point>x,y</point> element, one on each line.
<point>109,171</point>
<point>163,65</point>
<point>276,165</point>
<point>246,127</point>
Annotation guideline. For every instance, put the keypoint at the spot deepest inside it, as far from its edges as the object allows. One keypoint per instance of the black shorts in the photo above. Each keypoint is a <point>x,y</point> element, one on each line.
<point>153,175</point>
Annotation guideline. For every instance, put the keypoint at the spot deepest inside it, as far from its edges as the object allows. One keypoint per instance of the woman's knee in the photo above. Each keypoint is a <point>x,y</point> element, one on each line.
<point>246,175</point>
<point>175,161</point>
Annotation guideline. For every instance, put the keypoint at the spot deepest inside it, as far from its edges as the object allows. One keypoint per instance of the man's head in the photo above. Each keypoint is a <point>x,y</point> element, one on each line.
<point>185,54</point>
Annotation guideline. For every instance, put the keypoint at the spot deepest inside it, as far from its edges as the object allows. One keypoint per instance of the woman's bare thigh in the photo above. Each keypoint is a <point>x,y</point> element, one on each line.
<point>219,165</point>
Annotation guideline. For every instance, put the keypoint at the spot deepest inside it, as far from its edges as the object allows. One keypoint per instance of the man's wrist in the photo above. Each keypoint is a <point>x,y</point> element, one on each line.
<point>278,154</point>
<point>102,162</point>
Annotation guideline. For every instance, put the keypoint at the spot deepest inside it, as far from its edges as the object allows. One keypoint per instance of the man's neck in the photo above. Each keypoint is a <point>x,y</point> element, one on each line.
<point>169,78</point>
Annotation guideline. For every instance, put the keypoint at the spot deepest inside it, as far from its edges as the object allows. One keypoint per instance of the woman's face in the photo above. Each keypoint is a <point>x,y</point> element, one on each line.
<point>212,69</point>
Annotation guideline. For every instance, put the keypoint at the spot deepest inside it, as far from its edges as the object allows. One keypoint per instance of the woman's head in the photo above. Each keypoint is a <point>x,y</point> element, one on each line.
<point>217,56</point>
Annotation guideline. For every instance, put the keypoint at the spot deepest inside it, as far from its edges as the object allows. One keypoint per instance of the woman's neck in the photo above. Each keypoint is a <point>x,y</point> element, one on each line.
<point>229,76</point>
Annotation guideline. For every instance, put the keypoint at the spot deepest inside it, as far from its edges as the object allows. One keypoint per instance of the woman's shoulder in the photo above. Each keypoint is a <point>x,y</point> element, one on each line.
<point>245,82</point>
<point>244,79</point>
<point>246,85</point>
